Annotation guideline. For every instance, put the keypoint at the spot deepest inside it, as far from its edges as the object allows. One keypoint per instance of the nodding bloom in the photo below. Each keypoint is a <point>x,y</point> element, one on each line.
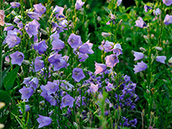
<point>58,11</point>
<point>93,88</point>
<point>86,48</point>
<point>111,60</point>
<point>8,27</point>
<point>38,64</point>
<point>79,4</point>
<point>44,121</point>
<point>78,74</point>
<point>15,4</point>
<point>2,15</point>
<point>41,47</point>
<point>17,58</point>
<point>57,44</point>
<point>168,19</point>
<point>106,46</point>
<point>117,49</point>
<point>140,67</point>
<point>39,8</point>
<point>140,23</point>
<point>67,100</point>
<point>26,93</point>
<point>74,41</point>
<point>119,2</point>
<point>33,15</point>
<point>100,68</point>
<point>161,59</point>
<point>82,57</point>
<point>157,12</point>
<point>32,28</point>
<point>167,2</point>
<point>34,83</point>
<point>51,87</point>
<point>146,7</point>
<point>138,55</point>
<point>111,20</point>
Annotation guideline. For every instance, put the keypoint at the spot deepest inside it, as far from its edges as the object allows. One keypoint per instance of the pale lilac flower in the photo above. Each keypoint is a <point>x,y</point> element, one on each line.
<point>167,2</point>
<point>12,40</point>
<point>67,100</point>
<point>106,46</point>
<point>63,23</point>
<point>111,20</point>
<point>57,44</point>
<point>32,28</point>
<point>41,47</point>
<point>8,26</point>
<point>104,34</point>
<point>168,19</point>
<point>100,68</point>
<point>82,57</point>
<point>15,4</point>
<point>138,55</point>
<point>140,67</point>
<point>51,100</point>
<point>157,12</point>
<point>58,10</point>
<point>119,2</point>
<point>33,15</point>
<point>51,87</point>
<point>74,41</point>
<point>38,64</point>
<point>39,8</point>
<point>44,121</point>
<point>117,49</point>
<point>86,48</point>
<point>111,60</point>
<point>26,93</point>
<point>17,58</point>
<point>109,87</point>
<point>57,28</point>
<point>27,80</point>
<point>79,4</point>
<point>93,88</point>
<point>78,74</point>
<point>140,23</point>
<point>161,59</point>
<point>34,83</point>
<point>146,7</point>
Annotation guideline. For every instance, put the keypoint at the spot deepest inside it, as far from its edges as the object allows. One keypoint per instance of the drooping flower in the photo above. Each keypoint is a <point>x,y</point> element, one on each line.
<point>78,74</point>
<point>111,60</point>
<point>117,49</point>
<point>26,93</point>
<point>168,19</point>
<point>2,17</point>
<point>111,20</point>
<point>34,83</point>
<point>106,46</point>
<point>38,64</point>
<point>33,15</point>
<point>57,44</point>
<point>140,23</point>
<point>51,87</point>
<point>93,88</point>
<point>17,58</point>
<point>82,57</point>
<point>12,40</point>
<point>157,12</point>
<point>79,4</point>
<point>27,80</point>
<point>140,67</point>
<point>32,28</point>
<point>138,55</point>
<point>58,11</point>
<point>146,7</point>
<point>161,59</point>
<point>8,26</point>
<point>44,121</point>
<point>39,8</point>
<point>74,41</point>
<point>15,4</point>
<point>109,87</point>
<point>167,2</point>
<point>67,100</point>
<point>119,2</point>
<point>41,47</point>
<point>100,68</point>
<point>86,48</point>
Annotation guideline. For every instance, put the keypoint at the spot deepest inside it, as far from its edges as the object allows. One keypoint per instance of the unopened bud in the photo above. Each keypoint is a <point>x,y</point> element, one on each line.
<point>142,49</point>
<point>88,6</point>
<point>158,48</point>
<point>120,22</point>
<point>99,18</point>
<point>1,126</point>
<point>104,34</point>
<point>2,104</point>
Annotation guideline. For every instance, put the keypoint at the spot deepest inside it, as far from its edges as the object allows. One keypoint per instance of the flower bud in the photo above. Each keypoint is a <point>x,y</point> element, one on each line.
<point>2,104</point>
<point>158,48</point>
<point>99,18</point>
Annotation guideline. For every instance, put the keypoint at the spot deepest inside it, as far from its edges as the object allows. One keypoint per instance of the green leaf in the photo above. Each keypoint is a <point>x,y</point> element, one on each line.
<point>4,73</point>
<point>4,97</point>
<point>10,78</point>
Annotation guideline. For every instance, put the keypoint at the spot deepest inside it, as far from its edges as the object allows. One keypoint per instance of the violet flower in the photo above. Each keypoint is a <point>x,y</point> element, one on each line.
<point>12,40</point>
<point>138,55</point>
<point>168,19</point>
<point>82,57</point>
<point>117,49</point>
<point>111,20</point>
<point>67,100</point>
<point>100,68</point>
<point>161,59</point>
<point>38,64</point>
<point>140,67</point>
<point>33,15</point>
<point>146,8</point>
<point>51,87</point>
<point>41,47</point>
<point>34,83</point>
<point>167,2</point>
<point>58,11</point>
<point>17,58</point>
<point>44,121</point>
<point>78,74</point>
<point>57,44</point>
<point>26,93</point>
<point>106,46</point>
<point>40,9</point>
<point>79,4</point>
<point>15,4</point>
<point>86,48</point>
<point>140,23</point>
<point>74,41</point>
<point>111,60</point>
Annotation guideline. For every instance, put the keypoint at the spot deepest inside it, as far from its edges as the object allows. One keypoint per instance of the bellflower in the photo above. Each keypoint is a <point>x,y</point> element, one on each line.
<point>157,12</point>
<point>26,93</point>
<point>140,67</point>
<point>33,15</point>
<point>74,41</point>
<point>57,28</point>
<point>109,87</point>
<point>58,11</point>
<point>78,74</point>
<point>106,46</point>
<point>8,26</point>
<point>39,8</point>
<point>100,68</point>
<point>168,19</point>
<point>79,4</point>
<point>44,121</point>
<point>111,60</point>
<point>38,64</point>
<point>41,47</point>
<point>117,49</point>
<point>57,44</point>
<point>32,28</point>
<point>82,57</point>
<point>140,23</point>
<point>2,17</point>
<point>146,7</point>
<point>167,2</point>
<point>93,88</point>
<point>12,40</point>
<point>86,48</point>
<point>27,108</point>
<point>111,20</point>
<point>67,100</point>
<point>15,4</point>
<point>51,100</point>
<point>161,59</point>
<point>34,83</point>
<point>138,55</point>
<point>17,58</point>
<point>119,2</point>
<point>51,87</point>
<point>27,80</point>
